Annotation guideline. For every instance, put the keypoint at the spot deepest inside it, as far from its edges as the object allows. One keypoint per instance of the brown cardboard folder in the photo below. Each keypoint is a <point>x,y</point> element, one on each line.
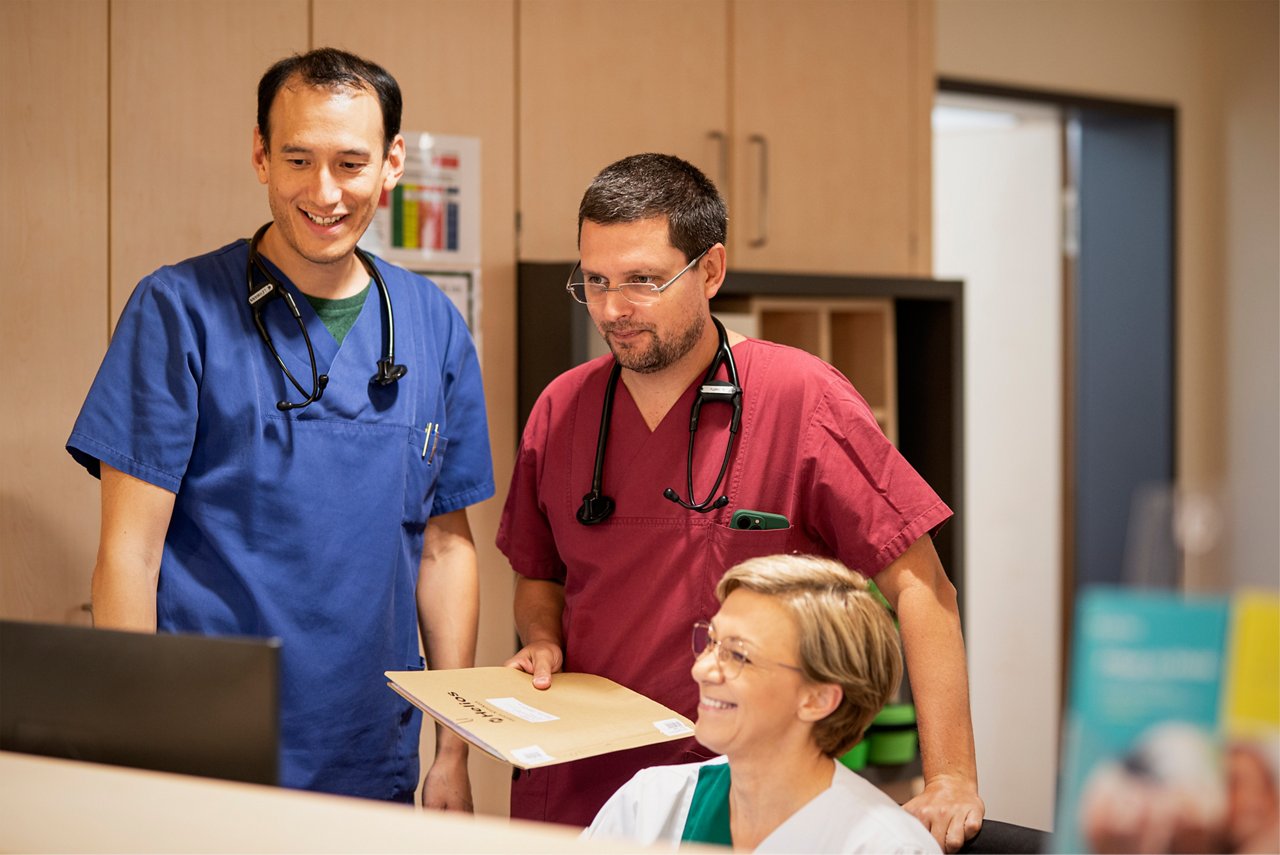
<point>498,709</point>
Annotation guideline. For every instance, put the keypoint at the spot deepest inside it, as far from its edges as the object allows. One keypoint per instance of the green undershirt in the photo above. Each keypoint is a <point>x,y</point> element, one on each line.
<point>708,820</point>
<point>338,316</point>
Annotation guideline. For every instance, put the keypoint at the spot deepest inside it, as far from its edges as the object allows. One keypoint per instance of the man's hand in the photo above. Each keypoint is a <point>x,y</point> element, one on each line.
<point>541,659</point>
<point>448,784</point>
<point>950,808</point>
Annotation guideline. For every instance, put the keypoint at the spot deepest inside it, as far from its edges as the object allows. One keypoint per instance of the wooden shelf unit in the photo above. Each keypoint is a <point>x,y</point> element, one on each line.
<point>856,335</point>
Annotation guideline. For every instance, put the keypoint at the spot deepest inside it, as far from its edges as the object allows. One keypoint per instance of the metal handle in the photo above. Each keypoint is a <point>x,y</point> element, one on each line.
<point>762,211</point>
<point>722,173</point>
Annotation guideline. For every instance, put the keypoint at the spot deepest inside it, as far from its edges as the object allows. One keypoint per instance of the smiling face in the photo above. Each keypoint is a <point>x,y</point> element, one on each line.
<point>651,338</point>
<point>766,705</point>
<point>325,172</point>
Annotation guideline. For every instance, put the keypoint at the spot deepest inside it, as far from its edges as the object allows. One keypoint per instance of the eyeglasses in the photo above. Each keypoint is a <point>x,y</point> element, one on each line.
<point>638,291</point>
<point>731,653</point>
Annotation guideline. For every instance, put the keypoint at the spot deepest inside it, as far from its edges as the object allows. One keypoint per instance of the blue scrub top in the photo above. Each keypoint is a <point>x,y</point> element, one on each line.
<point>304,525</point>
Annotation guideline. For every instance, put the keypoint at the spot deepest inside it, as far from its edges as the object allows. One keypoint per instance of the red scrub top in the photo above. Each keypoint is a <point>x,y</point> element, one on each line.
<point>808,448</point>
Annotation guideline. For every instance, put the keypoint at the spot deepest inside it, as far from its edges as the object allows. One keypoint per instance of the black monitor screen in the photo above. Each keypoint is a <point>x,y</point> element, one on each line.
<point>193,704</point>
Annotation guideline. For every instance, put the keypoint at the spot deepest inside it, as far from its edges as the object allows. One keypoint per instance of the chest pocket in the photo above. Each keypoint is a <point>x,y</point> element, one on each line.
<point>426,454</point>
<point>730,547</point>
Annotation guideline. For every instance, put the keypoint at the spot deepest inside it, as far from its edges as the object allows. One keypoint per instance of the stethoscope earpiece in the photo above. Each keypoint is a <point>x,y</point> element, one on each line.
<point>259,295</point>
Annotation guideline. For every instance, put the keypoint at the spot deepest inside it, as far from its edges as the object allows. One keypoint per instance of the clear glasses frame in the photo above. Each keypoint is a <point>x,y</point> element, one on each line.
<point>731,653</point>
<point>636,293</point>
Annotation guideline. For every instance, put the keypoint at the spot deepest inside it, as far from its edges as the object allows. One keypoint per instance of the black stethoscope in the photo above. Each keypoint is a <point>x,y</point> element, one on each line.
<point>263,287</point>
<point>597,507</point>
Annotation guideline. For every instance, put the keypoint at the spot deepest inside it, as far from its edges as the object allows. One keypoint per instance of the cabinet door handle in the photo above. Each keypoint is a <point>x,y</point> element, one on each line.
<point>722,168</point>
<point>762,218</point>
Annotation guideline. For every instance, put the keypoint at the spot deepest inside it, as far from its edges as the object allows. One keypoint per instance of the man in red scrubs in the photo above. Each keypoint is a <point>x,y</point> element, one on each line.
<point>611,583</point>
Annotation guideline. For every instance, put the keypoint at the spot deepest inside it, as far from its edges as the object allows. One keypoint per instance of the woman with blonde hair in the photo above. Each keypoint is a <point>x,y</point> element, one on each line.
<point>792,669</point>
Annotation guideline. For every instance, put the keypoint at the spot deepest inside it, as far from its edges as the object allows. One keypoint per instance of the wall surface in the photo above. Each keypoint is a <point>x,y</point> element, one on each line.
<point>53,324</point>
<point>997,217</point>
<point>1246,74</point>
<point>1215,61</point>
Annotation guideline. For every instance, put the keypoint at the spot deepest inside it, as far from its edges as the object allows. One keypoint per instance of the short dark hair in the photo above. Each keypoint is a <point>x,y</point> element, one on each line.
<point>334,69</point>
<point>644,186</point>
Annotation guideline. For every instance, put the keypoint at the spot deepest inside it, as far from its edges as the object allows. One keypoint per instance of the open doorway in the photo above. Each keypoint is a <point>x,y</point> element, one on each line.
<point>998,226</point>
<point>1057,212</point>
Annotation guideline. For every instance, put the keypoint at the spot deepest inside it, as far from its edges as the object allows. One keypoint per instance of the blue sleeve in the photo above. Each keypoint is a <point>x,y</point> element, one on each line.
<point>140,413</point>
<point>467,477</point>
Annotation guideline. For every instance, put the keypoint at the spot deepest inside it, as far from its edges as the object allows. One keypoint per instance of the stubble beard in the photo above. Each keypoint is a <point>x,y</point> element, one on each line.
<point>661,353</point>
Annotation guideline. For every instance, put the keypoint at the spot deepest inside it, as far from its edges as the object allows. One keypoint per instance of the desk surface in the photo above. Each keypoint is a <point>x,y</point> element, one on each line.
<point>65,806</point>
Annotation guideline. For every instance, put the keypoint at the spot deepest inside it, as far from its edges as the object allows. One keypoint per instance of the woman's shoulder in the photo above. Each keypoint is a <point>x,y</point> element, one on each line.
<point>675,775</point>
<point>882,825</point>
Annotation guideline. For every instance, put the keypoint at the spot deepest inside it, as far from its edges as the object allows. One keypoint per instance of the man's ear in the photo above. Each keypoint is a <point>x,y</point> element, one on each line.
<point>819,701</point>
<point>713,263</point>
<point>393,166</point>
<point>261,158</point>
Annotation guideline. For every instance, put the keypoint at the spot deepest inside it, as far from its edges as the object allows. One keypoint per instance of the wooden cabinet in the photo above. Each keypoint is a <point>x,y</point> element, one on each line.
<point>831,136</point>
<point>184,78</point>
<point>811,115</point>
<point>53,325</point>
<point>602,79</point>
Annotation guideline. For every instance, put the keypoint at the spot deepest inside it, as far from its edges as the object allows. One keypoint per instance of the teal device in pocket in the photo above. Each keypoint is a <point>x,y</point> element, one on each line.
<point>745,519</point>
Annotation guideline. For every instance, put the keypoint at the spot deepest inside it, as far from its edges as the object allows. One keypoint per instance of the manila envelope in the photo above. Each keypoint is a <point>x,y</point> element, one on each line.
<point>498,710</point>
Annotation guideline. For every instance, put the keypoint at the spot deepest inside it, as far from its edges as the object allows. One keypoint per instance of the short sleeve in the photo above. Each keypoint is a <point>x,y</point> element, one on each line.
<point>140,414</point>
<point>868,503</point>
<point>524,533</point>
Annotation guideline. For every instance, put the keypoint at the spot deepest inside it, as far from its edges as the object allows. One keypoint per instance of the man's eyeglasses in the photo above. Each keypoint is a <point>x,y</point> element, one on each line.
<point>639,291</point>
<point>731,653</point>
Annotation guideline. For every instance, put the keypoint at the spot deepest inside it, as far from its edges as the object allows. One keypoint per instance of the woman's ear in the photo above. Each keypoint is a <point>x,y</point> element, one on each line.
<point>819,701</point>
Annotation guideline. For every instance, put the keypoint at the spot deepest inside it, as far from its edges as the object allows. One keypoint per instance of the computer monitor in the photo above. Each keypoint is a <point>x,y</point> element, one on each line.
<point>198,705</point>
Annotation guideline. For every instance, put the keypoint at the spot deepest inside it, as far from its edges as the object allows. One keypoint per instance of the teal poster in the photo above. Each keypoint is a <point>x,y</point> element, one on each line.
<point>1146,680</point>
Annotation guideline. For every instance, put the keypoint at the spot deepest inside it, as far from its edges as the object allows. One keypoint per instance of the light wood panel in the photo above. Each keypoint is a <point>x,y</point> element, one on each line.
<point>923,86</point>
<point>117,809</point>
<point>603,79</point>
<point>830,86</point>
<point>184,79</point>
<point>455,62</point>
<point>53,184</point>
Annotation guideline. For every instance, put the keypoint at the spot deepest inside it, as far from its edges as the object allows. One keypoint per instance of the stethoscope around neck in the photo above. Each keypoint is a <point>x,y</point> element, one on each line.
<point>263,287</point>
<point>597,507</point>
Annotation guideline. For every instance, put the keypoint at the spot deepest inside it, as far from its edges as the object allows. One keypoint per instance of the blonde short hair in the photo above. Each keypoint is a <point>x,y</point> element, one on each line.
<point>847,636</point>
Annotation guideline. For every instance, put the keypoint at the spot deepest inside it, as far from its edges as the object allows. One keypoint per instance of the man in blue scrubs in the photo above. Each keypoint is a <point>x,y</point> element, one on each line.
<point>338,526</point>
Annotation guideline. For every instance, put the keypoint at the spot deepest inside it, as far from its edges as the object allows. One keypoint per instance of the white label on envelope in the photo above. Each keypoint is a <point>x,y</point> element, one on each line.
<point>672,727</point>
<point>532,755</point>
<point>521,710</point>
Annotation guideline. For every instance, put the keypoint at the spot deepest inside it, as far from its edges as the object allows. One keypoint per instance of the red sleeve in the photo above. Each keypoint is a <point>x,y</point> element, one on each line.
<point>868,503</point>
<point>524,532</point>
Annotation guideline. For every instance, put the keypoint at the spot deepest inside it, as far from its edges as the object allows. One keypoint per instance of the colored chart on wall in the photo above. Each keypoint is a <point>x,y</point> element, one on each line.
<point>433,213</point>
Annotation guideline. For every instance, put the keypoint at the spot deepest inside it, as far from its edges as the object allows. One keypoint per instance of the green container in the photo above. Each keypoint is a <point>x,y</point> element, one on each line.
<point>856,757</point>
<point>892,738</point>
